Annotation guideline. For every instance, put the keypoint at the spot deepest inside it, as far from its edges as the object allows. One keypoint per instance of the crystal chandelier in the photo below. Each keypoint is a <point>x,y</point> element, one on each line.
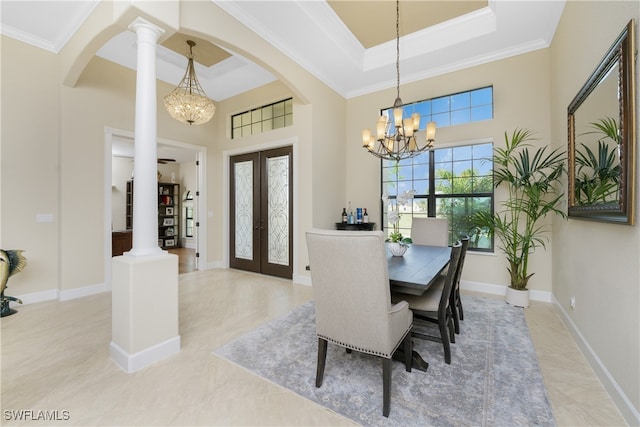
<point>398,140</point>
<point>188,103</point>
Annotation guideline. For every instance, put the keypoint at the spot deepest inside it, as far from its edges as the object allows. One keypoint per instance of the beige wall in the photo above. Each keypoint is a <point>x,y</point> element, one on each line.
<point>521,99</point>
<point>31,164</point>
<point>597,263</point>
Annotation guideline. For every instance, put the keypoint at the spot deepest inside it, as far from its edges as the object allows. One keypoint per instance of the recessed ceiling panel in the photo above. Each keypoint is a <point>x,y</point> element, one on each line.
<point>374,22</point>
<point>204,52</point>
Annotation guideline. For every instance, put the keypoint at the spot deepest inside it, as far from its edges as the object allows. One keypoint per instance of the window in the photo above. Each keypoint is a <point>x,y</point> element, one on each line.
<point>456,109</point>
<point>262,119</point>
<point>188,218</point>
<point>451,183</point>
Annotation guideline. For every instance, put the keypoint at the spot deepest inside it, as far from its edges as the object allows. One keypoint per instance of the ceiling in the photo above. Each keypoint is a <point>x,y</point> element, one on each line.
<point>348,44</point>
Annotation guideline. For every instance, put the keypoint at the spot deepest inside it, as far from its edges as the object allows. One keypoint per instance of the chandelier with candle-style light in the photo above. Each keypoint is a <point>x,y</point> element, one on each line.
<point>188,102</point>
<point>398,140</point>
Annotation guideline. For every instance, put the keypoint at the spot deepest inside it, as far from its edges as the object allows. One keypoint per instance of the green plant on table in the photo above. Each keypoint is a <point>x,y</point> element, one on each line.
<point>393,217</point>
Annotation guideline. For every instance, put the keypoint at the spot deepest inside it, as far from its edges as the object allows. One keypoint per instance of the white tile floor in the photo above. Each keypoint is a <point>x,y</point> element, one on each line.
<point>55,356</point>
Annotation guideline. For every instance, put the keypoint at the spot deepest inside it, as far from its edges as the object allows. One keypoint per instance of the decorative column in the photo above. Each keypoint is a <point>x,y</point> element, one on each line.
<point>145,165</point>
<point>144,297</point>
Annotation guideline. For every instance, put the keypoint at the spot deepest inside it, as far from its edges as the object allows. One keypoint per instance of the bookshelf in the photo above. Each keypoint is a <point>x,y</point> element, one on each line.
<point>168,213</point>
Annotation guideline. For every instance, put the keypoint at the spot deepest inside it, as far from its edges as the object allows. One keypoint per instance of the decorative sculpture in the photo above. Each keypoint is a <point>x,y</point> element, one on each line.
<point>11,262</point>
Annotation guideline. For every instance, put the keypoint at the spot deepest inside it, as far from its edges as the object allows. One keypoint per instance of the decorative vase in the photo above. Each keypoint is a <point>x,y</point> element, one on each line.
<point>517,297</point>
<point>397,249</point>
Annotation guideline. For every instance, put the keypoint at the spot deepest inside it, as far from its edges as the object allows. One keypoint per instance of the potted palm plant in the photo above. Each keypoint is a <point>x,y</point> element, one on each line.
<point>532,178</point>
<point>598,176</point>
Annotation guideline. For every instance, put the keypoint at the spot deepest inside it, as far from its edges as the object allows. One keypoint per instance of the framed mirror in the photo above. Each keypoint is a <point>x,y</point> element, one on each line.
<point>602,139</point>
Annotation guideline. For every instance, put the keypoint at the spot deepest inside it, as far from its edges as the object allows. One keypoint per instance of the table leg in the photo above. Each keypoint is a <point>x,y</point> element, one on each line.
<point>417,362</point>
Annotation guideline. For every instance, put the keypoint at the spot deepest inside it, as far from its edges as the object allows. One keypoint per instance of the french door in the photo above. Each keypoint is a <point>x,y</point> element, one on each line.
<point>261,212</point>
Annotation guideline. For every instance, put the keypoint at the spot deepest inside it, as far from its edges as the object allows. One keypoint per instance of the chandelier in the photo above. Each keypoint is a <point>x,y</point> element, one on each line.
<point>398,140</point>
<point>188,103</point>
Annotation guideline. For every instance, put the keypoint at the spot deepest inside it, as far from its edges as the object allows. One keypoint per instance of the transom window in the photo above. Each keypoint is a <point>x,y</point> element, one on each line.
<point>262,119</point>
<point>455,109</point>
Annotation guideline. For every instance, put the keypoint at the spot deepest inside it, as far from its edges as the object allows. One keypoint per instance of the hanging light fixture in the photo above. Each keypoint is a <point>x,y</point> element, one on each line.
<point>398,140</point>
<point>188,103</point>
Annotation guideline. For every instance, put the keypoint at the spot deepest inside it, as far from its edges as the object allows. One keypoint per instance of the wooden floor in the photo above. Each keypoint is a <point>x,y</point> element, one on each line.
<point>186,259</point>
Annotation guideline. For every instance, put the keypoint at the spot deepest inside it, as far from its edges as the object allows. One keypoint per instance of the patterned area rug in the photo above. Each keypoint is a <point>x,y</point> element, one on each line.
<point>493,380</point>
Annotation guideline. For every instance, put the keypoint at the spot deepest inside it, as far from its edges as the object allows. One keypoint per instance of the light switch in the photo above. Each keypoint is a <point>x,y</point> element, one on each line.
<point>44,218</point>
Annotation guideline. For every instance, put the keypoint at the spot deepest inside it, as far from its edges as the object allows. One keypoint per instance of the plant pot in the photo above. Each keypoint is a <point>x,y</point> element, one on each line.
<point>397,249</point>
<point>517,297</point>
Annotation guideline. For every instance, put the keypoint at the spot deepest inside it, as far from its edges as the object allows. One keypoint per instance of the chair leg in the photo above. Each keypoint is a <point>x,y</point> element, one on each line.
<point>454,311</point>
<point>444,334</point>
<point>456,319</point>
<point>459,305</point>
<point>386,386</point>
<point>322,358</point>
<point>450,325</point>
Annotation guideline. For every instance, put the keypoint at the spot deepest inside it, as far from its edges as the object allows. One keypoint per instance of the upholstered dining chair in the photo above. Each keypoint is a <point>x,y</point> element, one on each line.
<point>434,305</point>
<point>430,231</point>
<point>455,301</point>
<point>353,300</point>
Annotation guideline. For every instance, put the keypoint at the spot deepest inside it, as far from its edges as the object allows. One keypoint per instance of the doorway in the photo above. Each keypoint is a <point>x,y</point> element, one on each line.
<point>120,143</point>
<point>261,212</point>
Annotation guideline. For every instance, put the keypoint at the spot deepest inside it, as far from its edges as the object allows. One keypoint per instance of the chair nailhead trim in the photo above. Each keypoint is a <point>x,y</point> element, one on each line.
<point>364,350</point>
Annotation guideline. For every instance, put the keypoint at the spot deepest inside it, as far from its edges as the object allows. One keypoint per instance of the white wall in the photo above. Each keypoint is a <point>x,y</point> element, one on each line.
<point>189,182</point>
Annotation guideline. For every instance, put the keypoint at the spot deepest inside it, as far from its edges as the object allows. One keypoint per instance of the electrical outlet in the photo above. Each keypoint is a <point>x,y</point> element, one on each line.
<point>572,302</point>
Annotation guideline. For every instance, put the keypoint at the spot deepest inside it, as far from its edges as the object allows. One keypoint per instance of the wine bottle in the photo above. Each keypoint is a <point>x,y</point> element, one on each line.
<point>344,215</point>
<point>365,216</point>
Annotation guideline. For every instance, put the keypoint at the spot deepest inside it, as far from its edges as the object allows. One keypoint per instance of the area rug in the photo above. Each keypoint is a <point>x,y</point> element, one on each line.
<point>493,379</point>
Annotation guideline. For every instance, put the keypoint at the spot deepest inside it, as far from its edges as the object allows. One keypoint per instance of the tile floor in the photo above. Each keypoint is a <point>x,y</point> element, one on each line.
<point>55,356</point>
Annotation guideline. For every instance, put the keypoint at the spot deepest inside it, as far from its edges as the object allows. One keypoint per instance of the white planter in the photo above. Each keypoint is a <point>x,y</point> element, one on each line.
<point>397,249</point>
<point>517,297</point>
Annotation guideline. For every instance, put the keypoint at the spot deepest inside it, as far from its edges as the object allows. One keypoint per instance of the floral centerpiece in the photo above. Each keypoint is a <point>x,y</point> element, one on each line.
<point>400,242</point>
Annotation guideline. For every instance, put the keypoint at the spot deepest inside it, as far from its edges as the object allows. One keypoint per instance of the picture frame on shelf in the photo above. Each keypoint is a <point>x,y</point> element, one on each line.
<point>168,211</point>
<point>167,222</point>
<point>170,242</point>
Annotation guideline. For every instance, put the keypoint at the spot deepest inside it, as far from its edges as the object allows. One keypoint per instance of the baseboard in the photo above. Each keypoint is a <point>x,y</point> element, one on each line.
<point>134,362</point>
<point>302,280</point>
<point>491,289</point>
<point>620,399</point>
<point>215,264</point>
<point>64,295</point>
<point>84,291</point>
<point>34,297</point>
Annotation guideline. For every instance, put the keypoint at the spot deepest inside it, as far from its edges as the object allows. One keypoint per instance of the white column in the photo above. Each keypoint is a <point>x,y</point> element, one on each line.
<point>144,297</point>
<point>145,167</point>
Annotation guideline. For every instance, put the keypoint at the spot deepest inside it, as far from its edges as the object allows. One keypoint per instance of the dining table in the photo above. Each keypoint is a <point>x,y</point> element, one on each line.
<point>419,267</point>
<point>413,273</point>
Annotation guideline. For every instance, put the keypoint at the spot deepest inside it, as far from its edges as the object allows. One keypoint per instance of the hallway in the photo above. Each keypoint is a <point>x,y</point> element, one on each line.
<point>186,259</point>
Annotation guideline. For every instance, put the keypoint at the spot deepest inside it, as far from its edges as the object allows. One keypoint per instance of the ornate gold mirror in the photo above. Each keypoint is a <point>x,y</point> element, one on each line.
<point>602,138</point>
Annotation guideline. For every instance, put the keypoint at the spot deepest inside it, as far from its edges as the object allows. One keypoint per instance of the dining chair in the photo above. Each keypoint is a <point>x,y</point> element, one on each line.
<point>455,300</point>
<point>430,231</point>
<point>434,306</point>
<point>350,281</point>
